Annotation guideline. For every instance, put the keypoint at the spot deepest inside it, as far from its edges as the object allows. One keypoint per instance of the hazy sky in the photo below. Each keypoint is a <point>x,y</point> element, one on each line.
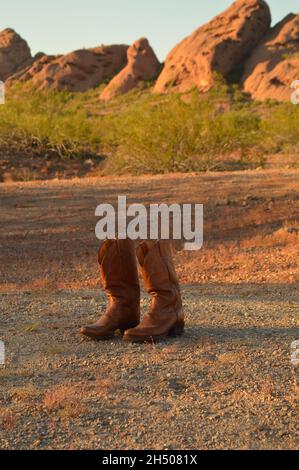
<point>59,26</point>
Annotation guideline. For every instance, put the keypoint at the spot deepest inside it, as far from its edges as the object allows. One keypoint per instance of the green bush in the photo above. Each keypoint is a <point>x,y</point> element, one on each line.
<point>172,135</point>
<point>142,132</point>
<point>281,130</point>
<point>43,122</point>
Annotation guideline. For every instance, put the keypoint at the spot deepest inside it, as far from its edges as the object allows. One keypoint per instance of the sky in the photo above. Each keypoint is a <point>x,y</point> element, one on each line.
<point>60,26</point>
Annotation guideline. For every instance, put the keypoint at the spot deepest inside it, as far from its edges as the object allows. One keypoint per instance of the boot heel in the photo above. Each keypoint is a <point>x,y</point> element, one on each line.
<point>177,330</point>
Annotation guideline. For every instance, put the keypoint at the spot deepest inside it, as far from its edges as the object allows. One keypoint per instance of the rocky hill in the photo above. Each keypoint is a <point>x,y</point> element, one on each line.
<point>218,46</point>
<point>77,71</point>
<point>239,39</point>
<point>14,53</point>
<point>142,66</point>
<point>274,64</point>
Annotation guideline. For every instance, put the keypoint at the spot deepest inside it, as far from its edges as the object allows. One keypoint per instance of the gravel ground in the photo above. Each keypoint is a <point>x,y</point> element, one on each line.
<point>228,383</point>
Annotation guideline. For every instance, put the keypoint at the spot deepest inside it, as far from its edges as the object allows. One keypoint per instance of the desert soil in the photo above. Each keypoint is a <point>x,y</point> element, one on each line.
<point>228,383</point>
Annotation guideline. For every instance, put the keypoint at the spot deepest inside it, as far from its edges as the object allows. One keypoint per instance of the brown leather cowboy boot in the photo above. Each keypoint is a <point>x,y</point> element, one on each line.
<point>120,281</point>
<point>166,317</point>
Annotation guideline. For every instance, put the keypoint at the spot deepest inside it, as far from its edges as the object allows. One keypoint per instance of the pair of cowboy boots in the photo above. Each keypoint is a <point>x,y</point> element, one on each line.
<point>120,281</point>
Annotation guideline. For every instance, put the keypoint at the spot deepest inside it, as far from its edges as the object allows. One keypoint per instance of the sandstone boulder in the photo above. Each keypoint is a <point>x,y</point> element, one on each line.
<point>274,64</point>
<point>142,65</point>
<point>14,53</point>
<point>77,71</point>
<point>219,46</point>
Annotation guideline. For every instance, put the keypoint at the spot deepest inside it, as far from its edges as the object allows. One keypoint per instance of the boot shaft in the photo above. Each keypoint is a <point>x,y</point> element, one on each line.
<point>120,281</point>
<point>118,269</point>
<point>160,279</point>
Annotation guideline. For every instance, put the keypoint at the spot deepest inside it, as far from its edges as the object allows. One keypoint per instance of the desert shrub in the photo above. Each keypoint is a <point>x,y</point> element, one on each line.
<point>280,129</point>
<point>142,132</point>
<point>38,122</point>
<point>178,135</point>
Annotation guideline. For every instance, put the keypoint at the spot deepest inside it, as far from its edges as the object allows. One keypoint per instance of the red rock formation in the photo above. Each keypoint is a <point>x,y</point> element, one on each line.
<point>142,65</point>
<point>218,46</point>
<point>77,71</point>
<point>274,64</point>
<point>14,53</point>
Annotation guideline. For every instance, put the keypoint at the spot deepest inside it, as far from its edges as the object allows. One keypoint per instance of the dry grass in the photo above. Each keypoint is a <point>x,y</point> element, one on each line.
<point>101,388</point>
<point>270,258</point>
<point>67,401</point>
<point>64,401</point>
<point>54,349</point>
<point>8,419</point>
<point>284,237</point>
<point>29,327</point>
<point>231,357</point>
<point>26,393</point>
<point>43,285</point>
<point>267,388</point>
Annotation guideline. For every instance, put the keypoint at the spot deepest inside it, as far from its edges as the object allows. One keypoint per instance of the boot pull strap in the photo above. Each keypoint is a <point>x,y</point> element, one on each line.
<point>141,252</point>
<point>103,250</point>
